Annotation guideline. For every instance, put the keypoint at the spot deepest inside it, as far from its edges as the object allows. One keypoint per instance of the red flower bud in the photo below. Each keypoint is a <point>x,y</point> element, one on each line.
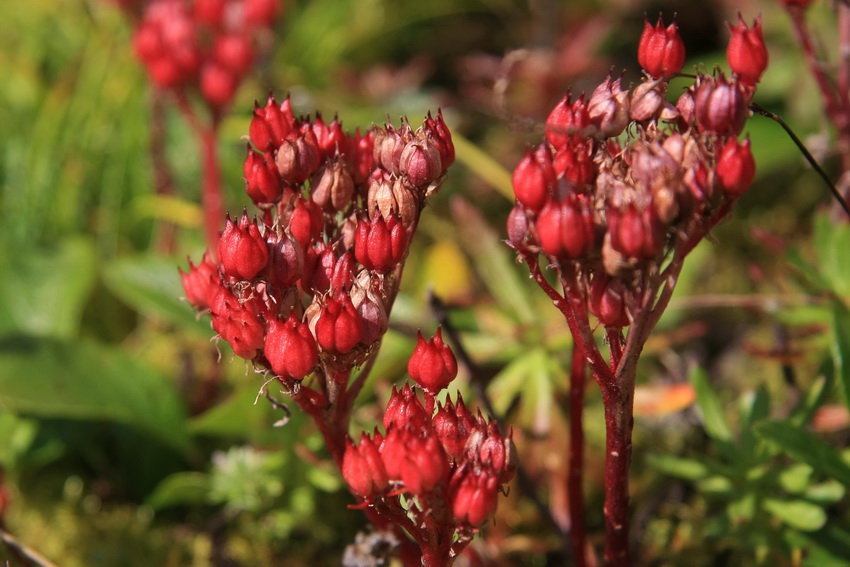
<point>234,52</point>
<point>271,124</point>
<point>306,221</point>
<point>403,409</point>
<point>607,301</point>
<point>202,282</point>
<point>565,229</point>
<point>746,51</point>
<point>218,85</point>
<point>736,167</point>
<point>261,180</point>
<point>363,469</point>
<point>450,429</point>
<point>534,178</point>
<point>361,156</point>
<point>636,233</point>
<point>568,121</point>
<point>380,245</point>
<point>261,12</point>
<point>439,132</point>
<point>574,161</point>
<point>661,51</point>
<point>290,348</point>
<point>242,249</point>
<point>432,364</point>
<point>210,12</point>
<point>239,322</point>
<point>474,496</point>
<point>338,327</point>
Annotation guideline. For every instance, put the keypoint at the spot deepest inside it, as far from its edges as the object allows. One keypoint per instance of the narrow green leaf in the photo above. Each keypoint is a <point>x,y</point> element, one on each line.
<point>180,489</point>
<point>795,478</point>
<point>86,380</point>
<point>712,414</point>
<point>689,469</point>
<point>483,165</point>
<point>806,447</point>
<point>828,492</point>
<point>798,514</point>
<point>841,349</point>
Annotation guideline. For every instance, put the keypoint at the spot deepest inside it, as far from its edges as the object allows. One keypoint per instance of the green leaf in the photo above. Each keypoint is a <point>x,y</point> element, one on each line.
<point>828,492</point>
<point>530,378</point>
<point>86,380</point>
<point>180,489</point>
<point>689,469</point>
<point>806,447</point>
<point>795,479</point>
<point>841,350</point>
<point>712,414</point>
<point>43,292</point>
<point>831,240</point>
<point>831,547</point>
<point>152,285</point>
<point>798,514</point>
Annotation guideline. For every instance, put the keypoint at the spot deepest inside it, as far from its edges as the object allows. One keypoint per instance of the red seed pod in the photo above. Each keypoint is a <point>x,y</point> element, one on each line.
<point>290,348</point>
<point>474,495</point>
<point>648,100</point>
<point>242,250</point>
<point>338,326</point>
<point>319,264</point>
<point>403,409</point>
<point>720,106</point>
<point>261,179</point>
<point>201,283</point>
<point>332,186</point>
<point>363,469</point>
<point>420,162</point>
<point>306,221</point>
<point>298,157</point>
<point>568,121</point>
<point>342,277</point>
<point>218,85</point>
<point>636,233</point>
<point>271,124</point>
<point>608,107</point>
<point>441,135</point>
<point>262,13</point>
<point>423,462</point>
<point>286,263</point>
<point>608,300</point>
<point>380,245</point>
<point>565,228</point>
<point>210,12</point>
<point>534,178</point>
<point>331,139</point>
<point>661,51</point>
<point>746,52</point>
<point>574,161</point>
<point>432,364</point>
<point>239,322</point>
<point>450,429</point>
<point>361,156</point>
<point>234,52</point>
<point>736,167</point>
<point>365,295</point>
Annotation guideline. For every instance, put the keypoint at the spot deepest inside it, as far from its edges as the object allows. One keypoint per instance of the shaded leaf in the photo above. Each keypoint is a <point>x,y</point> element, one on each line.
<point>709,405</point>
<point>689,469</point>
<point>86,380</point>
<point>180,489</point>
<point>806,447</point>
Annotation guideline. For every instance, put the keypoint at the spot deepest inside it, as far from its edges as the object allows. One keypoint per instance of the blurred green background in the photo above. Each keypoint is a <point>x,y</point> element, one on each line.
<point>125,441</point>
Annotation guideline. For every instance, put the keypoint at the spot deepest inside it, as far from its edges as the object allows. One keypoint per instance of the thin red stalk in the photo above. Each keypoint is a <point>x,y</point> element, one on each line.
<point>618,449</point>
<point>575,472</point>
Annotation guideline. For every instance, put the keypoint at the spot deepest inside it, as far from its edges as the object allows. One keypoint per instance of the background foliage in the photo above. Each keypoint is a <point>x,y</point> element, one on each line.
<point>123,438</point>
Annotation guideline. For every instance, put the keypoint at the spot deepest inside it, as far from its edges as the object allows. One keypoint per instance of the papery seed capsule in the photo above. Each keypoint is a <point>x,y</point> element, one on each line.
<point>286,263</point>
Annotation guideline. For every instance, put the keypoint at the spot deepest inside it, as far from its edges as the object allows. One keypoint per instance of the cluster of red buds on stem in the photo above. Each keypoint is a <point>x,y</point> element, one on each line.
<point>624,186</point>
<point>438,469</point>
<point>303,291</point>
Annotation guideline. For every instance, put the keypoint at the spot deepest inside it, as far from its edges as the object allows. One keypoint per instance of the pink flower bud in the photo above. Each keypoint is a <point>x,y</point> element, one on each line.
<point>338,327</point>
<point>565,228</point>
<point>432,364</point>
<point>242,250</point>
<point>608,107</point>
<point>518,227</point>
<point>534,178</point>
<point>720,106</point>
<point>363,469</point>
<point>420,162</point>
<point>746,51</point>
<point>380,245</point>
<point>202,282</point>
<point>290,348</point>
<point>365,295</point>
<point>607,301</point>
<point>647,100</point>
<point>261,179</point>
<point>661,51</point>
<point>736,167</point>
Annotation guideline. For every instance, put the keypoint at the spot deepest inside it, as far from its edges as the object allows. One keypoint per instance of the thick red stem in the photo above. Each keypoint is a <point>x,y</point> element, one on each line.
<point>575,473</point>
<point>618,448</point>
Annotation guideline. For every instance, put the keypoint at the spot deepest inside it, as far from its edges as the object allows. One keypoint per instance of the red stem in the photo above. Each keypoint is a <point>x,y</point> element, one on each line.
<point>575,473</point>
<point>618,449</point>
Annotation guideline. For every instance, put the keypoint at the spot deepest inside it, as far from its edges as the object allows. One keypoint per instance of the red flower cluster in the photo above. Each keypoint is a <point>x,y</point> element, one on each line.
<point>309,284</point>
<point>448,465</point>
<point>612,208</point>
<point>206,44</point>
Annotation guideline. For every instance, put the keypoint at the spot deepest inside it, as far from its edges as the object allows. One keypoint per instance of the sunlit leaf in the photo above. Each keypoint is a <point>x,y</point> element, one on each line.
<point>806,447</point>
<point>709,405</point>
<point>798,514</point>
